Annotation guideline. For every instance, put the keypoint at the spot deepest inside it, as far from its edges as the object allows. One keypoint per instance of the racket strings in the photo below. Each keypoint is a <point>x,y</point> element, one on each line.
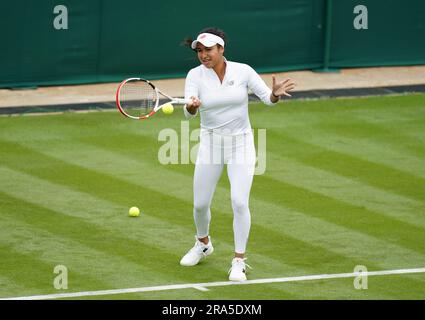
<point>137,98</point>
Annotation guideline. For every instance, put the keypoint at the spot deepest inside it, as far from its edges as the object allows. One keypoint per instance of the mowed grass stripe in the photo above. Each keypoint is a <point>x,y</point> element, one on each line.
<point>87,268</point>
<point>105,156</point>
<point>267,233</point>
<point>321,206</point>
<point>365,149</point>
<point>327,183</point>
<point>138,262</point>
<point>99,221</point>
<point>142,241</point>
<point>18,274</point>
<point>8,284</point>
<point>257,282</point>
<point>86,230</point>
<point>383,136</point>
<point>346,190</point>
<point>168,236</point>
<point>97,183</point>
<point>343,214</point>
<point>305,113</point>
<point>415,133</point>
<point>368,172</point>
<point>352,243</point>
<point>151,167</point>
<point>54,225</point>
<point>28,272</point>
<point>379,288</point>
<point>91,126</point>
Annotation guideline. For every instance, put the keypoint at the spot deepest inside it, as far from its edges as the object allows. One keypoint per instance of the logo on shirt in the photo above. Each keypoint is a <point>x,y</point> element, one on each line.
<point>230,83</point>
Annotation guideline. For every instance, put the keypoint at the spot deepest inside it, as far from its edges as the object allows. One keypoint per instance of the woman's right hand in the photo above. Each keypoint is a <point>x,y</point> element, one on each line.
<point>194,105</point>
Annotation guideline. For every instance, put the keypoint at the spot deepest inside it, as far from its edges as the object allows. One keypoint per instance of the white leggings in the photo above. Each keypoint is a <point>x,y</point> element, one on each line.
<point>216,150</point>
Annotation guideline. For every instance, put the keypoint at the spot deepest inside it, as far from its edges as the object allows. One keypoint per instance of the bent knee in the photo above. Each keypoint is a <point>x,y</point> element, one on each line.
<point>201,208</point>
<point>240,206</point>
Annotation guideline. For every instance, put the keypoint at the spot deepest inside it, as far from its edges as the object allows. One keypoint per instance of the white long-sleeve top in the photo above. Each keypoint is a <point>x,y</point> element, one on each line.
<point>225,104</point>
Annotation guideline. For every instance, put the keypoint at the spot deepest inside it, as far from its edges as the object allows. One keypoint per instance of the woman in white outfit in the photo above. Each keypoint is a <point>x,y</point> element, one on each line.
<point>219,88</point>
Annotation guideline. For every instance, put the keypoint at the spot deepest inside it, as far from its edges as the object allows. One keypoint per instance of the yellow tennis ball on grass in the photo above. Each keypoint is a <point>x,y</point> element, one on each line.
<point>168,108</point>
<point>134,212</point>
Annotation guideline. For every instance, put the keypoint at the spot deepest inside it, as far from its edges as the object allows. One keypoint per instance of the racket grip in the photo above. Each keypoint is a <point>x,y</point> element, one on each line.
<point>182,101</point>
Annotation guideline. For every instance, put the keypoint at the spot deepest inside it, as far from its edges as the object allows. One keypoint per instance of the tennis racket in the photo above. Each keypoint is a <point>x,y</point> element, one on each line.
<point>139,99</point>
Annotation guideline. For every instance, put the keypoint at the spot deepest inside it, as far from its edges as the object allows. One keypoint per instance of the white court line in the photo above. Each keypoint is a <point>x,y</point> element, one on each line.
<point>203,286</point>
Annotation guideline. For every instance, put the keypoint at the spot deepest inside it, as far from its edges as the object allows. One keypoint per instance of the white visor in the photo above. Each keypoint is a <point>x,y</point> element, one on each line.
<point>208,40</point>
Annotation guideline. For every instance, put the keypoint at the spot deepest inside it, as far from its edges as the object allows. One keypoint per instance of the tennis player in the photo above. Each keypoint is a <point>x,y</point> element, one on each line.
<point>218,89</point>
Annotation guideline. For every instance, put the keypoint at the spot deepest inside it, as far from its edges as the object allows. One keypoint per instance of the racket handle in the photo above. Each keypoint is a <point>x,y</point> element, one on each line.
<point>182,101</point>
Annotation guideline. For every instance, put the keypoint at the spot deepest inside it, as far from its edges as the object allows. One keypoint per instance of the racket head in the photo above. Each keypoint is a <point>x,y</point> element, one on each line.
<point>137,98</point>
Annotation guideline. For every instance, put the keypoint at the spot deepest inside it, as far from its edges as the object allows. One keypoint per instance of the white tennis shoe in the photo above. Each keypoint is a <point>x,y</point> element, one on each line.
<point>238,270</point>
<point>197,253</point>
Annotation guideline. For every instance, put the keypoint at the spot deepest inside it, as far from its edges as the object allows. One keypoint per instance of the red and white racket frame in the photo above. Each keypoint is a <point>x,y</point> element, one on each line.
<point>157,105</point>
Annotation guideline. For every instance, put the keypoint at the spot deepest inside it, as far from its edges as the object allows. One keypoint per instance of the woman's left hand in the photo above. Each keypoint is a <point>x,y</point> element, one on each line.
<point>281,88</point>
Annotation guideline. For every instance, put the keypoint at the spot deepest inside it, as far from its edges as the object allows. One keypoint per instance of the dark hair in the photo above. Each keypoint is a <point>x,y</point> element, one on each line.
<point>218,32</point>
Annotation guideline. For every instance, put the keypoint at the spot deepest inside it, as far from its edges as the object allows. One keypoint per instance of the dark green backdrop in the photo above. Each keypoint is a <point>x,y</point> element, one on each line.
<point>108,40</point>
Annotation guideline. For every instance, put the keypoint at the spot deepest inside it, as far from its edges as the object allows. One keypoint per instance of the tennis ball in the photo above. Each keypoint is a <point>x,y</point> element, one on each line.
<point>168,108</point>
<point>134,212</point>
